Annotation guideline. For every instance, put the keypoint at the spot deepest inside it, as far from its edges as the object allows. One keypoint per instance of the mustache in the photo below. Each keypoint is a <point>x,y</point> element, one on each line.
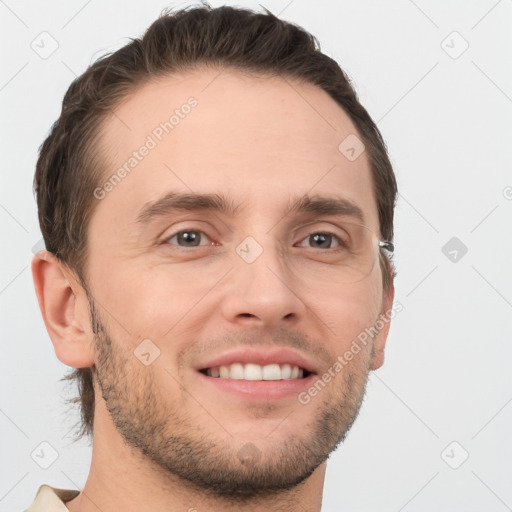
<point>279,337</point>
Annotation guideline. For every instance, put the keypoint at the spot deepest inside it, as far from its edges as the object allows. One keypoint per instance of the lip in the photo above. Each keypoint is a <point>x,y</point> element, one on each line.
<point>261,357</point>
<point>259,390</point>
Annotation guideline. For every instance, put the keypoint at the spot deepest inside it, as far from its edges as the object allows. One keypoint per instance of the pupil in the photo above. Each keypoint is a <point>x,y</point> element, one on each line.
<point>322,238</point>
<point>188,237</point>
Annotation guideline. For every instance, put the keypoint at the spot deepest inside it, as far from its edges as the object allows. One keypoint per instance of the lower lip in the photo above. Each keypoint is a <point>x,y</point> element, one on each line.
<point>260,389</point>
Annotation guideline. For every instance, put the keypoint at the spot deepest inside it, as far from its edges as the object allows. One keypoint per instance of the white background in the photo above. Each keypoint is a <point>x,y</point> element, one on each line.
<point>447,123</point>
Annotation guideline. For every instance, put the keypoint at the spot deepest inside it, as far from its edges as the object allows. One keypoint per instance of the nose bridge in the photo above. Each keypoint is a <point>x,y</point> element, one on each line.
<point>260,286</point>
<point>261,262</point>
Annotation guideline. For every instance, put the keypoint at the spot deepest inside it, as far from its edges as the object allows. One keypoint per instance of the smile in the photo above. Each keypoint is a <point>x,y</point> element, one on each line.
<point>252,372</point>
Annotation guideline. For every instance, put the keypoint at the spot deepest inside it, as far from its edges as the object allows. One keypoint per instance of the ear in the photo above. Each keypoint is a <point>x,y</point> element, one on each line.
<point>65,310</point>
<point>379,342</point>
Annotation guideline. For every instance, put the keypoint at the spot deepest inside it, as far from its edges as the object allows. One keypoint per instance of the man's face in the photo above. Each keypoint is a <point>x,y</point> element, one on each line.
<point>196,285</point>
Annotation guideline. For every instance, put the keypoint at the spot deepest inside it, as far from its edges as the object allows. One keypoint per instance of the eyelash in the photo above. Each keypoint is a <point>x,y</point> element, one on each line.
<point>341,243</point>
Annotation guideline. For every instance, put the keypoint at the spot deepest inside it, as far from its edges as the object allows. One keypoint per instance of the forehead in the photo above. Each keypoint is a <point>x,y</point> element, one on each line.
<point>261,139</point>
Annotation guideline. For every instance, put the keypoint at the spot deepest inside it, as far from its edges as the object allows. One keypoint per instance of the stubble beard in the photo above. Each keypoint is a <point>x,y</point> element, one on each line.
<point>218,465</point>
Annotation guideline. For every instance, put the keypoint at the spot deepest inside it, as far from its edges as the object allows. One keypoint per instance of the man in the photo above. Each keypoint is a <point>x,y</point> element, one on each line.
<point>217,209</point>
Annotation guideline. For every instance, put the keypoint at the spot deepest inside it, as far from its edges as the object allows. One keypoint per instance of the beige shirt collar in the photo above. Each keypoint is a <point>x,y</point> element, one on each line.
<point>51,499</point>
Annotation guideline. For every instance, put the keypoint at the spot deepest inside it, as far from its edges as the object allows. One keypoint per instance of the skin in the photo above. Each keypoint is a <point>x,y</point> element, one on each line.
<point>162,439</point>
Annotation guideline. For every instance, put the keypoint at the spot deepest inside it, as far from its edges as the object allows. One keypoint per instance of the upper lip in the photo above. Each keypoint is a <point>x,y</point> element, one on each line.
<point>261,357</point>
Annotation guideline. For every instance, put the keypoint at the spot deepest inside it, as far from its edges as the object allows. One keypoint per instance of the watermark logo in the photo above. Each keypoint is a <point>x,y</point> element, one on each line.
<point>455,455</point>
<point>249,454</point>
<point>38,246</point>
<point>454,45</point>
<point>351,147</point>
<point>146,352</point>
<point>249,249</point>
<point>454,249</point>
<point>45,45</point>
<point>44,455</point>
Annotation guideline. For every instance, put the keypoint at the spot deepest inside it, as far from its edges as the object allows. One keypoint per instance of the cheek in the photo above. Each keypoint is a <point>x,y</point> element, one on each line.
<point>148,301</point>
<point>348,313</point>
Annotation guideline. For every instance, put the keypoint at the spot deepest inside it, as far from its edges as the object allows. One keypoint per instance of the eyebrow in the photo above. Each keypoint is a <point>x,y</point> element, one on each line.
<point>173,202</point>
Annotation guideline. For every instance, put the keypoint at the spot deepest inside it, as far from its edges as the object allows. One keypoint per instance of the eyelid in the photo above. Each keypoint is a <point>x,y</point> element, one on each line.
<point>332,229</point>
<point>186,223</point>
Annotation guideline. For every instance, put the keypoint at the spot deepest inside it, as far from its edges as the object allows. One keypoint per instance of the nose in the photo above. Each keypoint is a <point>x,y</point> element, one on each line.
<point>261,292</point>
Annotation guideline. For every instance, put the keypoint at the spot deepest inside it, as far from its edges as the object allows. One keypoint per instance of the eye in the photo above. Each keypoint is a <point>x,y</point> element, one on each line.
<point>188,238</point>
<point>323,240</point>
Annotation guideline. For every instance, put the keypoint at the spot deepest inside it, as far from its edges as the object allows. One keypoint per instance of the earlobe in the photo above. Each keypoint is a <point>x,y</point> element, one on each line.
<point>379,342</point>
<point>64,308</point>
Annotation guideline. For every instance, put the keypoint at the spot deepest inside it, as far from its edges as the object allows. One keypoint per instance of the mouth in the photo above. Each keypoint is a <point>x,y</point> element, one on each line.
<point>258,375</point>
<point>257,372</point>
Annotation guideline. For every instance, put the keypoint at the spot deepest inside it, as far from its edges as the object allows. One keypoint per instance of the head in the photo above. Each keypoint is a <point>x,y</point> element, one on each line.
<point>244,110</point>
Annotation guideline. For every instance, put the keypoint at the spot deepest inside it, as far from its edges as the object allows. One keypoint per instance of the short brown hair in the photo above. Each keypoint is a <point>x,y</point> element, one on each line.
<point>69,167</point>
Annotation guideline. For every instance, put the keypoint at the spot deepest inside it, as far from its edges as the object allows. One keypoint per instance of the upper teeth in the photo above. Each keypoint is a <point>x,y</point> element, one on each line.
<point>252,371</point>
